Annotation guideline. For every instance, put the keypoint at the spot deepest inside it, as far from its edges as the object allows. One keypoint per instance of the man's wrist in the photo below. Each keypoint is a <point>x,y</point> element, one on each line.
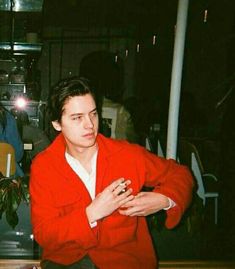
<point>89,214</point>
<point>171,204</point>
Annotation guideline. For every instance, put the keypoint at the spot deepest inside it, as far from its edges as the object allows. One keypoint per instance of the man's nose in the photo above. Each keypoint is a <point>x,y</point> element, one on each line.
<point>88,122</point>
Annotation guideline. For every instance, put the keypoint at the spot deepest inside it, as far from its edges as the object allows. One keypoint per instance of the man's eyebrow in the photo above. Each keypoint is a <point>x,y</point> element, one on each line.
<point>80,114</point>
<point>93,110</point>
<point>76,114</point>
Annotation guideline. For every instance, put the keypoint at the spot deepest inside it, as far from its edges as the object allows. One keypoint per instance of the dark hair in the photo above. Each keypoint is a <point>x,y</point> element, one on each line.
<point>3,118</point>
<point>63,90</point>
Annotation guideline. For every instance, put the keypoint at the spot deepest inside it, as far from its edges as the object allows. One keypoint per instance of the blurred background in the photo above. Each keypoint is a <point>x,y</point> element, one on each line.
<point>126,49</point>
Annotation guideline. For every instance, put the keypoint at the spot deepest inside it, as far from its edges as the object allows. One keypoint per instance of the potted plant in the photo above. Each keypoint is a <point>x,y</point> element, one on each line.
<point>13,191</point>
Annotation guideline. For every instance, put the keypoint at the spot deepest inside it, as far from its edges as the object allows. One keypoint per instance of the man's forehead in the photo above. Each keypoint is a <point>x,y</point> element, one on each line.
<point>79,104</point>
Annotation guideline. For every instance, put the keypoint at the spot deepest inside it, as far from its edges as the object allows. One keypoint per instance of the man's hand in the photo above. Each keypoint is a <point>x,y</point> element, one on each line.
<point>110,199</point>
<point>144,204</point>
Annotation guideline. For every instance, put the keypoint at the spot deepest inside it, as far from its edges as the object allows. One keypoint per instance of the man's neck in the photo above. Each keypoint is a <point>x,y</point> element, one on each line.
<point>84,155</point>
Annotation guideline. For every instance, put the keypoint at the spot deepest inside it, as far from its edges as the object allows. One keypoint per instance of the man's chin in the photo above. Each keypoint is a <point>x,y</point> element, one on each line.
<point>90,143</point>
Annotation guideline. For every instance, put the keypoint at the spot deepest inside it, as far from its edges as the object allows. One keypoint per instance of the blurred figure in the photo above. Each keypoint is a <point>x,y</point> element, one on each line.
<point>106,76</point>
<point>124,125</point>
<point>35,135</point>
<point>9,134</point>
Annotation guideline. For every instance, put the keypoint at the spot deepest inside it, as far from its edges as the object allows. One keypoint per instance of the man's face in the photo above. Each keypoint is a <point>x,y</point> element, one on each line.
<point>79,122</point>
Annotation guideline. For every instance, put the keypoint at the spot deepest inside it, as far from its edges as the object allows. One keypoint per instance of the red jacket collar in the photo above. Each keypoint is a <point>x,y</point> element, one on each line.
<point>106,145</point>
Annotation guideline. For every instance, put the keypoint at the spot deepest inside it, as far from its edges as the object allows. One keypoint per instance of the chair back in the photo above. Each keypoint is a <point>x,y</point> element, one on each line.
<point>109,117</point>
<point>7,159</point>
<point>197,173</point>
<point>149,146</point>
<point>186,148</point>
<point>189,155</point>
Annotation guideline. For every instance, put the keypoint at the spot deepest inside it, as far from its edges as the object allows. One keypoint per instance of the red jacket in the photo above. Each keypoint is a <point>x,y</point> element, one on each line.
<point>59,199</point>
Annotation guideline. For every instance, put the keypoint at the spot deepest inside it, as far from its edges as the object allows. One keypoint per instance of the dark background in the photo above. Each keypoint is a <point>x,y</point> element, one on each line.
<point>69,30</point>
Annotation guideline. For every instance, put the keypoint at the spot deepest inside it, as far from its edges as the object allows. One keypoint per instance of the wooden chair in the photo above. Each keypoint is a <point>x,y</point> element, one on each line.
<point>7,159</point>
<point>189,155</point>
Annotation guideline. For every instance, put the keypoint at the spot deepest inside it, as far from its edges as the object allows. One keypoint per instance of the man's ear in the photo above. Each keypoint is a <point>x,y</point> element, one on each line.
<point>56,125</point>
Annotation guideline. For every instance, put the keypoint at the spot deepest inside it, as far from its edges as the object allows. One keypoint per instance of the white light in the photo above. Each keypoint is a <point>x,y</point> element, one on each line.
<point>20,102</point>
<point>19,233</point>
<point>138,48</point>
<point>16,6</point>
<point>205,15</point>
<point>154,39</point>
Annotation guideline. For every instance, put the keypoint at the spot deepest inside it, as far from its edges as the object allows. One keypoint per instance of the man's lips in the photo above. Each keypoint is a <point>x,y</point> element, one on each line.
<point>89,135</point>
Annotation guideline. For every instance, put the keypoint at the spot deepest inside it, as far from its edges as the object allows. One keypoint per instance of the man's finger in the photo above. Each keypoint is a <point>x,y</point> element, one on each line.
<point>129,211</point>
<point>115,184</point>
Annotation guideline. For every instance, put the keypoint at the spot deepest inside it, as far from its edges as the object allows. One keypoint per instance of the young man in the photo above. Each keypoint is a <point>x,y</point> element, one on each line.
<point>87,205</point>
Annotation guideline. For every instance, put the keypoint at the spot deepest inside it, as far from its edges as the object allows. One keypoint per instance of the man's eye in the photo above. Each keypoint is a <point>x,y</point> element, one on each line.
<point>77,118</point>
<point>94,113</point>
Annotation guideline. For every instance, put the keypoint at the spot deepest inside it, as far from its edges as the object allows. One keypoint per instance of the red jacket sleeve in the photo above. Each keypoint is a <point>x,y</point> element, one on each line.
<point>172,180</point>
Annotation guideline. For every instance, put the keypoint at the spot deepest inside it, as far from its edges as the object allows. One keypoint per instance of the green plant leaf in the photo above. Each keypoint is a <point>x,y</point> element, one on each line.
<point>12,218</point>
<point>12,192</point>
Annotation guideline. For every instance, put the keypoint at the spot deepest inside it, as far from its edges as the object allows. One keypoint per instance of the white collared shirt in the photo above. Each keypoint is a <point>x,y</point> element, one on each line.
<point>89,179</point>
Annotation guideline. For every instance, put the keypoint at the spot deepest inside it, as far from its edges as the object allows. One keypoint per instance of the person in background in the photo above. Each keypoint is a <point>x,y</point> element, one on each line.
<point>9,134</point>
<point>107,77</point>
<point>35,135</point>
<point>87,205</point>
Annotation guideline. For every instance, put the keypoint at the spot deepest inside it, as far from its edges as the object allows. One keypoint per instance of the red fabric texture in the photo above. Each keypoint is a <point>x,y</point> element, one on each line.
<point>59,199</point>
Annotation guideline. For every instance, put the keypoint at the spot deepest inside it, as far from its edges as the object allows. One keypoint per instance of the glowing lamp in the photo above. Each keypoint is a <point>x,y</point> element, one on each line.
<point>21,102</point>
